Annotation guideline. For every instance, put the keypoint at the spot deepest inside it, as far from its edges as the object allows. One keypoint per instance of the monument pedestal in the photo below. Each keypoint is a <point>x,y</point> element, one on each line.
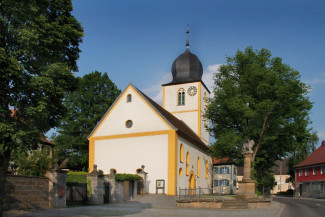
<point>246,189</point>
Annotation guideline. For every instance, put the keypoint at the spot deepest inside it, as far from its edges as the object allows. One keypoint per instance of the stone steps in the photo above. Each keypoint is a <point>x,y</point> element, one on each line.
<point>234,204</point>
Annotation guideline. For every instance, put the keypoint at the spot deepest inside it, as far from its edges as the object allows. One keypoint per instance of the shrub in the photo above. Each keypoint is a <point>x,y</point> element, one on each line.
<point>34,163</point>
<point>80,177</point>
<point>126,177</point>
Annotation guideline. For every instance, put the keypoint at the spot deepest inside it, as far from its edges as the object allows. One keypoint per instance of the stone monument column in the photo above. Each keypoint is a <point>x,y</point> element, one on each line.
<point>247,166</point>
<point>247,185</point>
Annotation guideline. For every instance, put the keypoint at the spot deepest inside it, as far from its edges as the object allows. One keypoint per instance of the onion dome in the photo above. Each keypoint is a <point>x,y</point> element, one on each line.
<point>187,67</point>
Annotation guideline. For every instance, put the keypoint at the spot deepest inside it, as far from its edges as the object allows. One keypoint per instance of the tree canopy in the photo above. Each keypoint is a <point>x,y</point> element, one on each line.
<point>85,107</point>
<point>39,42</point>
<point>258,97</point>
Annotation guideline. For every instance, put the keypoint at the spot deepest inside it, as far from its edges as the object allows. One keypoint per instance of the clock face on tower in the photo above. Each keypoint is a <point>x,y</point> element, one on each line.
<point>191,91</point>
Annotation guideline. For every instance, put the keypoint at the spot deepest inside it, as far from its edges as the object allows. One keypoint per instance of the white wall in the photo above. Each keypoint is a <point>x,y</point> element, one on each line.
<point>171,97</point>
<point>143,117</point>
<point>204,133</point>
<point>128,154</point>
<point>195,152</point>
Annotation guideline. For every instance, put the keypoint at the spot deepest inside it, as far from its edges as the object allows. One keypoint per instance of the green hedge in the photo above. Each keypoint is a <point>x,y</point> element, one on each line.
<point>126,177</point>
<point>81,177</point>
<point>77,177</point>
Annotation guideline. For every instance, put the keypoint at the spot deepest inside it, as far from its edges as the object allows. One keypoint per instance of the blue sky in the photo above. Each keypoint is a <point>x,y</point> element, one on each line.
<point>137,40</point>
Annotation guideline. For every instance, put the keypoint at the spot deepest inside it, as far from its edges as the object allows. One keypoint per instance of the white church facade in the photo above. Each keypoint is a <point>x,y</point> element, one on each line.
<point>169,140</point>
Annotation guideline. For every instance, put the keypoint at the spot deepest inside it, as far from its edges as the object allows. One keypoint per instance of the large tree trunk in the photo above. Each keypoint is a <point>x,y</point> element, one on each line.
<point>4,163</point>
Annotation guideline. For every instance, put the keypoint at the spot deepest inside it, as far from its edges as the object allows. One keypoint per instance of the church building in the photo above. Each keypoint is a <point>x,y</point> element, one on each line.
<point>169,140</point>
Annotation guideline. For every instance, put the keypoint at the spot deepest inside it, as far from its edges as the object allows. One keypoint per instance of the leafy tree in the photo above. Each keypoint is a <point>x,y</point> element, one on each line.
<point>39,42</point>
<point>301,152</point>
<point>34,163</point>
<point>86,106</point>
<point>257,97</point>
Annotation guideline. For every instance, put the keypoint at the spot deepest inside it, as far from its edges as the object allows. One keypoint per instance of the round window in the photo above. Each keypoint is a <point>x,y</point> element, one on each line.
<point>129,124</point>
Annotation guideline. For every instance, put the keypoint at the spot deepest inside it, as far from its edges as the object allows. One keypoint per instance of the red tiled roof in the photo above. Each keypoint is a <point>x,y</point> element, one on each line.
<point>221,160</point>
<point>182,128</point>
<point>45,140</point>
<point>317,157</point>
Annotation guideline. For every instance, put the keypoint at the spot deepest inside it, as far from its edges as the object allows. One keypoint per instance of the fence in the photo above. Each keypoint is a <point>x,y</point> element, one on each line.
<point>76,193</point>
<point>199,193</point>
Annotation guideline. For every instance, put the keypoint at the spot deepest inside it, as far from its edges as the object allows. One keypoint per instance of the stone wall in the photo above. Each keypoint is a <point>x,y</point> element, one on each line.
<point>23,192</point>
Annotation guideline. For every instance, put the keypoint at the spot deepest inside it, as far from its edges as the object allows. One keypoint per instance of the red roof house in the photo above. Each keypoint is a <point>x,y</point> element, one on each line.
<point>310,174</point>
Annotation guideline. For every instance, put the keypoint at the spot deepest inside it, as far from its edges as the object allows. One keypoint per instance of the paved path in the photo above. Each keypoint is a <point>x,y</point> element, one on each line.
<point>149,205</point>
<point>296,207</point>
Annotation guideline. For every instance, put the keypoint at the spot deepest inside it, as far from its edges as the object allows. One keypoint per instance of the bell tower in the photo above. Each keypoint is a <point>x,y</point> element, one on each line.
<point>186,95</point>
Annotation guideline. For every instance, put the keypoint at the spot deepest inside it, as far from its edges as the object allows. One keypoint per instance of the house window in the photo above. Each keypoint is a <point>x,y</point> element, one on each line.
<point>300,172</point>
<point>215,183</point>
<point>322,171</point>
<point>235,183</point>
<point>314,171</point>
<point>128,124</point>
<point>181,97</point>
<point>187,163</point>
<point>181,154</point>
<point>206,169</point>
<point>224,170</point>
<point>129,98</point>
<point>224,182</point>
<point>198,167</point>
<point>216,170</point>
<point>235,170</point>
<point>306,171</point>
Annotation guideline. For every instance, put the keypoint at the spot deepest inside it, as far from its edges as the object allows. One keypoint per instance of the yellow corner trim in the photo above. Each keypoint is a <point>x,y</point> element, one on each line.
<point>121,136</point>
<point>172,163</point>
<point>205,140</point>
<point>184,111</point>
<point>91,154</point>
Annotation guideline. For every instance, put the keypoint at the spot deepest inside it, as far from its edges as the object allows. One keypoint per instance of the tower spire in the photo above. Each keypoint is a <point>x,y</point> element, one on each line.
<point>187,42</point>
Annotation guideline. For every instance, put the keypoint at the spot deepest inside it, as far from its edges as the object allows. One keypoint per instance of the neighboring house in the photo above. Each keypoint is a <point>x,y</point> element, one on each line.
<point>171,140</point>
<point>224,176</point>
<point>281,175</point>
<point>44,144</point>
<point>310,174</point>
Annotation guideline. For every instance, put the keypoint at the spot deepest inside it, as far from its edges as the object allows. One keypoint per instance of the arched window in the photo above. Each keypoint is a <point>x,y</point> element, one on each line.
<point>181,154</point>
<point>129,98</point>
<point>206,169</point>
<point>180,171</point>
<point>187,163</point>
<point>198,167</point>
<point>181,97</point>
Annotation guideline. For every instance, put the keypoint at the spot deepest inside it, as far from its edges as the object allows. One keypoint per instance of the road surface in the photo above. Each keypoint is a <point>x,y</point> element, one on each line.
<point>300,207</point>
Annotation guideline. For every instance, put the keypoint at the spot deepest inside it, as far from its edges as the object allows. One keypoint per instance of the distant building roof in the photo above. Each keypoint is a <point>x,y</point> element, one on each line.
<point>317,157</point>
<point>225,160</point>
<point>281,167</point>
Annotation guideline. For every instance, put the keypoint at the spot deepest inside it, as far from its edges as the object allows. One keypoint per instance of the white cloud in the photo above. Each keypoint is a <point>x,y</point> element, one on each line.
<point>321,135</point>
<point>208,76</point>
<point>155,90</point>
<point>316,81</point>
